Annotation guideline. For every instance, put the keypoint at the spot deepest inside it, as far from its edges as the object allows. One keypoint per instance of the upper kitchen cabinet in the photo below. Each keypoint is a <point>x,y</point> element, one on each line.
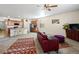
<point>14,23</point>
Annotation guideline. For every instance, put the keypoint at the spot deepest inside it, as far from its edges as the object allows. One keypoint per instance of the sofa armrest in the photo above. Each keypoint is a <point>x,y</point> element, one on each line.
<point>45,45</point>
<point>45,42</point>
<point>54,42</point>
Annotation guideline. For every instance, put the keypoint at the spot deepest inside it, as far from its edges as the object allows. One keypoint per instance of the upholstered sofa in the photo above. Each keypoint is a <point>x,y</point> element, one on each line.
<point>46,44</point>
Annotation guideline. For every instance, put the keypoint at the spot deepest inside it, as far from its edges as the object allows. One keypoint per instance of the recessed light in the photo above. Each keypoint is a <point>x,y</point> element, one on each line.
<point>19,16</point>
<point>8,16</point>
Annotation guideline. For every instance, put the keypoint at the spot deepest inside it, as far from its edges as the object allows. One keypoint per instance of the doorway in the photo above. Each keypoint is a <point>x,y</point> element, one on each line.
<point>34,26</point>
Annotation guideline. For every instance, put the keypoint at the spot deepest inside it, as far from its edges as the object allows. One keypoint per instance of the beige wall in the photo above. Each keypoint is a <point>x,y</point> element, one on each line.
<point>27,24</point>
<point>68,17</point>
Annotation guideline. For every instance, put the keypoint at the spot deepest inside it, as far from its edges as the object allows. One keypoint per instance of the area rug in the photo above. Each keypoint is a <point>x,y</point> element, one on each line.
<point>22,46</point>
<point>63,45</point>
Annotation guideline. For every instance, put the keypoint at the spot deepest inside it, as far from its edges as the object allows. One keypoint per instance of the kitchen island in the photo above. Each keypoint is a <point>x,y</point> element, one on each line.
<point>17,31</point>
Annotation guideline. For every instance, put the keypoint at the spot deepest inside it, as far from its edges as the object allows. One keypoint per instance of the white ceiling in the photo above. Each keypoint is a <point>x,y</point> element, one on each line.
<point>33,10</point>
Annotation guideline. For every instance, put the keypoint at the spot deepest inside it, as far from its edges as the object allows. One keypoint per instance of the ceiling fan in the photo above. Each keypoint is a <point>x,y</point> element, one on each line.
<point>49,6</point>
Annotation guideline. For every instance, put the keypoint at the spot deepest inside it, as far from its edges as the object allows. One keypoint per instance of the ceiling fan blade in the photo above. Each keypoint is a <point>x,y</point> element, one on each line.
<point>54,6</point>
<point>48,7</point>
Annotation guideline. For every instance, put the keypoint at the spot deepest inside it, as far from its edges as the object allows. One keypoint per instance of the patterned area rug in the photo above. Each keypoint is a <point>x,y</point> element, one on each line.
<point>22,46</point>
<point>63,45</point>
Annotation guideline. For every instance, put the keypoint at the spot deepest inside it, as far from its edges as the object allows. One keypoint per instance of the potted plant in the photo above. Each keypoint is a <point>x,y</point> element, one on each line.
<point>0,29</point>
<point>66,26</point>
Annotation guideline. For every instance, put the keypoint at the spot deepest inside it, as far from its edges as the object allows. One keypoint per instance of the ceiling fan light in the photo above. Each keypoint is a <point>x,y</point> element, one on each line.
<point>49,9</point>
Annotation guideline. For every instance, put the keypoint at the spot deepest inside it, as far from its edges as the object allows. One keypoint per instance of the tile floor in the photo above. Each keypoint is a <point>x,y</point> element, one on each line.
<point>69,50</point>
<point>5,43</point>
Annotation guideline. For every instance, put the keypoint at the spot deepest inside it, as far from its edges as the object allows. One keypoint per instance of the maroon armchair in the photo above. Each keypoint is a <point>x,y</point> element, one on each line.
<point>46,44</point>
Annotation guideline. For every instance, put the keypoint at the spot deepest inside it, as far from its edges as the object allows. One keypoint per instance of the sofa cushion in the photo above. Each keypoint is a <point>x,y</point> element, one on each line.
<point>51,38</point>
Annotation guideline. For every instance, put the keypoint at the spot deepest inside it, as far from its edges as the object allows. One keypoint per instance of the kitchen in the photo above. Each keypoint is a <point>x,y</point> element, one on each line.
<point>14,27</point>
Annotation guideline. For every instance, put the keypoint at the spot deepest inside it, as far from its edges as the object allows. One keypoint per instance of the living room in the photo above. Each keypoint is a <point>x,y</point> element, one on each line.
<point>17,29</point>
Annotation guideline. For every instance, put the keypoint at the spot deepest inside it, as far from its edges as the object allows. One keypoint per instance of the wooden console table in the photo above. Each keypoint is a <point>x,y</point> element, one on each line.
<point>72,34</point>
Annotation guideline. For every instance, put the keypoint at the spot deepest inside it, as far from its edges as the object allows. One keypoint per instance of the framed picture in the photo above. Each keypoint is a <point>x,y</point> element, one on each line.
<point>55,21</point>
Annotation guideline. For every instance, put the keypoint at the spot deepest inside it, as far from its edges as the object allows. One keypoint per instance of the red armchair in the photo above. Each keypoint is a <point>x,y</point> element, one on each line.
<point>46,44</point>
